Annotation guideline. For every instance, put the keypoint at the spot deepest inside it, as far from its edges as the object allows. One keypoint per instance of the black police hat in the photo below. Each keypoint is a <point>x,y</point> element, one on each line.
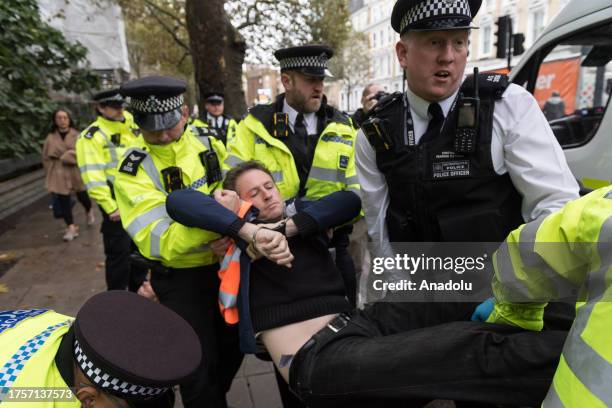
<point>214,97</point>
<point>110,97</point>
<point>156,101</point>
<point>307,59</point>
<point>132,347</point>
<point>430,15</point>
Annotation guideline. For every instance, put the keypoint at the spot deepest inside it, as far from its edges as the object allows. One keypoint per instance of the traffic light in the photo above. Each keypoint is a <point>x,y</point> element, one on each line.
<point>517,44</point>
<point>504,30</point>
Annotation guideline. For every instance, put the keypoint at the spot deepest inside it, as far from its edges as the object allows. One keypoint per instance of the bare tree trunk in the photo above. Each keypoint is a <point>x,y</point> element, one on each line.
<point>217,50</point>
<point>235,50</point>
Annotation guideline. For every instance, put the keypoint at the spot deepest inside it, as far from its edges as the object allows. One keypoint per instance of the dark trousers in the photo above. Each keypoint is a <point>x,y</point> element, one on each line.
<point>192,294</point>
<point>416,352</point>
<point>344,262</point>
<point>66,204</point>
<point>120,275</point>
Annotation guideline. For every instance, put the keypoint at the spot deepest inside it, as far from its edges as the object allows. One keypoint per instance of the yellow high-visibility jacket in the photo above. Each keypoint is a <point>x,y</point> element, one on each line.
<point>565,253</point>
<point>333,166</point>
<point>29,341</point>
<point>98,149</point>
<point>141,194</point>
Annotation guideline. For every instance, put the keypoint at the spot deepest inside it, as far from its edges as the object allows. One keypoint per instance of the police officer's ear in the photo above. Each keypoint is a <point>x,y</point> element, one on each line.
<point>401,49</point>
<point>185,111</point>
<point>287,80</point>
<point>87,395</point>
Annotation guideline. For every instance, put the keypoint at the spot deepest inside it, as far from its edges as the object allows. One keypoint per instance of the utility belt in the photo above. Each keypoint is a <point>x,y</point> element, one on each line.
<point>299,381</point>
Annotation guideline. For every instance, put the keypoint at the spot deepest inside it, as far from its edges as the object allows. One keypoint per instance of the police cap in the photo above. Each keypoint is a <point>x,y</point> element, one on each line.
<point>132,347</point>
<point>431,15</point>
<point>156,101</point>
<point>110,97</point>
<point>214,97</point>
<point>307,59</point>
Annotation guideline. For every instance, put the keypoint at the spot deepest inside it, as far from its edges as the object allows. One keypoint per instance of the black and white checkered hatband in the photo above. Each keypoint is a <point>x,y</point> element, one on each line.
<point>433,8</point>
<point>112,384</point>
<point>314,61</point>
<point>153,104</point>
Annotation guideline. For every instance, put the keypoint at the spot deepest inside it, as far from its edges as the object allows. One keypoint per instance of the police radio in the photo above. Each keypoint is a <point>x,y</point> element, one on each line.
<point>210,160</point>
<point>374,129</point>
<point>173,179</point>
<point>467,120</point>
<point>281,125</point>
<point>116,139</point>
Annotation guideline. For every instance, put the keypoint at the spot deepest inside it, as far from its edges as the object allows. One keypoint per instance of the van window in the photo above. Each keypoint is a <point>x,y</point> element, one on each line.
<point>574,84</point>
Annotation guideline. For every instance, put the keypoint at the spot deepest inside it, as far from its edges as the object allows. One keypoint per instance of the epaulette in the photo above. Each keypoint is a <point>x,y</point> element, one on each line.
<point>132,161</point>
<point>384,103</point>
<point>91,131</point>
<point>489,85</point>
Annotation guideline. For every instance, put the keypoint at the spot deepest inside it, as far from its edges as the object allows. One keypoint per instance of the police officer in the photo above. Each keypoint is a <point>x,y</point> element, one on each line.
<point>104,358</point>
<point>549,259</point>
<point>172,155</point>
<point>307,144</point>
<point>99,148</point>
<point>214,103</point>
<point>444,162</point>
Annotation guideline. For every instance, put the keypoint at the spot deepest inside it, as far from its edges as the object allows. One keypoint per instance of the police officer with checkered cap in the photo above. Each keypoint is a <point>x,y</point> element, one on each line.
<point>447,162</point>
<point>121,351</point>
<point>174,155</point>
<point>214,103</point>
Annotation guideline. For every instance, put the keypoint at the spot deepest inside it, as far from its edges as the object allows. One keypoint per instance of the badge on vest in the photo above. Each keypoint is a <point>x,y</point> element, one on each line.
<point>451,169</point>
<point>131,162</point>
<point>343,162</point>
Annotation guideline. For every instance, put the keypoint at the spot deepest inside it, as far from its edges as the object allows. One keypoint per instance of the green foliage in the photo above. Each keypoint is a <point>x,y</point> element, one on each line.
<point>34,58</point>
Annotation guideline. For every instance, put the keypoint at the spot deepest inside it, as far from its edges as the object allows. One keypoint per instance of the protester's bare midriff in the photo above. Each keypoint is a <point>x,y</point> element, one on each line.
<point>287,340</point>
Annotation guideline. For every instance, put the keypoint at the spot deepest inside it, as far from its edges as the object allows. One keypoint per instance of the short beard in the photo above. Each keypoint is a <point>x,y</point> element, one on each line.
<point>299,103</point>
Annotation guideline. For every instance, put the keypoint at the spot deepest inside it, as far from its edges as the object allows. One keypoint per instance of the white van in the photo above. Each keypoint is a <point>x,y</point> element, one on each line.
<point>569,71</point>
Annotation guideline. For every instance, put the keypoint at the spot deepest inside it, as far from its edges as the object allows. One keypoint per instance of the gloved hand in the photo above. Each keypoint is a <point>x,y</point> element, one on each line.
<point>483,310</point>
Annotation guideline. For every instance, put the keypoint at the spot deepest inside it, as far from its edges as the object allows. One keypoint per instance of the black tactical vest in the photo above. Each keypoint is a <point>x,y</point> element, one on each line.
<point>437,194</point>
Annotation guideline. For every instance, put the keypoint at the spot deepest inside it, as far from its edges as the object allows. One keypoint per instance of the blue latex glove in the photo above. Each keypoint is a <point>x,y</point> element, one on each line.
<point>483,310</point>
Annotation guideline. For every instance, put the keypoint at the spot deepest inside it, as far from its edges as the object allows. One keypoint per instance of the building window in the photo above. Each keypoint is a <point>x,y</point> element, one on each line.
<point>373,40</point>
<point>537,23</point>
<point>485,40</point>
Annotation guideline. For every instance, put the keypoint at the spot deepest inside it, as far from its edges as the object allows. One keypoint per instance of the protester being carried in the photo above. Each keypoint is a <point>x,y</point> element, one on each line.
<point>406,352</point>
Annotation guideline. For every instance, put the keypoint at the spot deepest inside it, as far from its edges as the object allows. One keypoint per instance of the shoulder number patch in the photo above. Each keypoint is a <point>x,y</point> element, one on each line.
<point>131,162</point>
<point>91,132</point>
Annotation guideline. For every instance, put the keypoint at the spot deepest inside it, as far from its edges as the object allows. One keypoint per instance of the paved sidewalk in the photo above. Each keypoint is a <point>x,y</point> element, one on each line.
<point>40,270</point>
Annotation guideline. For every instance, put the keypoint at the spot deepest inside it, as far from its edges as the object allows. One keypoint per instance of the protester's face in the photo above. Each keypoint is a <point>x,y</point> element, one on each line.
<point>303,92</point>
<point>111,112</point>
<point>259,188</point>
<point>167,136</point>
<point>215,109</point>
<point>62,120</point>
<point>434,61</point>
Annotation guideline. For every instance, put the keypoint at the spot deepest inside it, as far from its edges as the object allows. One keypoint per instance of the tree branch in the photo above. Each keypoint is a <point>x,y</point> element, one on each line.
<point>172,32</point>
<point>176,18</point>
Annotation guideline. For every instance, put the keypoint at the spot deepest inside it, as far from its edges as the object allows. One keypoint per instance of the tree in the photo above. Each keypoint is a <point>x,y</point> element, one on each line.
<point>353,63</point>
<point>34,57</point>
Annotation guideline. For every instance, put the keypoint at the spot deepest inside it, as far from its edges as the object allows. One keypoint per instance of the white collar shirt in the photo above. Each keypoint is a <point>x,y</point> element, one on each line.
<point>310,119</point>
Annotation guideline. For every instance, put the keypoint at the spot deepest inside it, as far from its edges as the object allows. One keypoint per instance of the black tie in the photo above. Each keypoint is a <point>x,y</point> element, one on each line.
<point>299,128</point>
<point>436,121</point>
